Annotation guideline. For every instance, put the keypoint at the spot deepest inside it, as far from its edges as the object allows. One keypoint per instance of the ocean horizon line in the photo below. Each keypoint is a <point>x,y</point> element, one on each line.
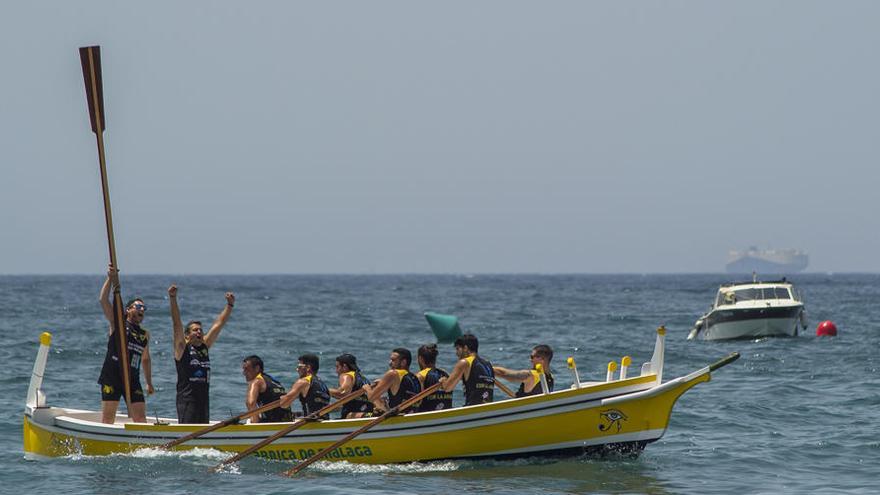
<point>415,273</point>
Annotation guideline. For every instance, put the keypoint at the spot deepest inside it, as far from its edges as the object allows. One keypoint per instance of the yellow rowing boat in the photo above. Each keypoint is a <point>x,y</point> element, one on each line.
<point>620,414</point>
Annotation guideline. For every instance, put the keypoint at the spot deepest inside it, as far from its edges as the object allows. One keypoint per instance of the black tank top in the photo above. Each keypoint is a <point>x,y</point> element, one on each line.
<point>361,404</point>
<point>136,338</point>
<point>409,388</point>
<point>193,373</point>
<point>479,388</point>
<point>439,399</point>
<point>537,389</point>
<point>316,398</point>
<point>274,391</point>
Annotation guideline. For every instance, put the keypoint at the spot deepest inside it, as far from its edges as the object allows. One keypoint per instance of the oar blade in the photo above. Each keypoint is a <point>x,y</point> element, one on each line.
<point>90,57</point>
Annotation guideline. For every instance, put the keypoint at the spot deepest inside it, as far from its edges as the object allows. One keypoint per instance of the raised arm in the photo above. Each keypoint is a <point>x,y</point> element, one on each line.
<point>104,297</point>
<point>451,381</point>
<point>214,332</point>
<point>178,340</point>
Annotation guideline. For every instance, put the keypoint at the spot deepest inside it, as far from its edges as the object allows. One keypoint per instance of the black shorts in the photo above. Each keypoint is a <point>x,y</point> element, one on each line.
<point>192,411</point>
<point>113,390</point>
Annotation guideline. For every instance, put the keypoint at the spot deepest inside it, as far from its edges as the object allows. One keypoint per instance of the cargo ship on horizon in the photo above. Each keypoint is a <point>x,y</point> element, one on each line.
<point>767,261</point>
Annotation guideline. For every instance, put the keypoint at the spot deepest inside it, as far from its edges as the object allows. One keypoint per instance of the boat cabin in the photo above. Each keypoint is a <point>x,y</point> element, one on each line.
<point>761,291</point>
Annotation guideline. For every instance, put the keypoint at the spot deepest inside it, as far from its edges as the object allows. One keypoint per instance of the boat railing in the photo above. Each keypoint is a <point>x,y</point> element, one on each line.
<point>612,367</point>
<point>624,366</point>
<point>655,365</point>
<point>35,396</point>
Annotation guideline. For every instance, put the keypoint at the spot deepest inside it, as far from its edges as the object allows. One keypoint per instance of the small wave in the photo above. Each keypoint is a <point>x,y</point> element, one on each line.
<point>155,453</point>
<point>344,467</point>
<point>195,453</point>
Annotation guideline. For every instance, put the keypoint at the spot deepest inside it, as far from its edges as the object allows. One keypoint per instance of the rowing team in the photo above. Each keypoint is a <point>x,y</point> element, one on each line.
<point>398,384</point>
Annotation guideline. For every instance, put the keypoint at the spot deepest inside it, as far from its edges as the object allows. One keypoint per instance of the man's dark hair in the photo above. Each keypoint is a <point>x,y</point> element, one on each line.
<point>134,300</point>
<point>428,353</point>
<point>348,360</point>
<point>544,351</point>
<point>404,354</point>
<point>188,328</point>
<point>254,361</point>
<point>468,340</point>
<point>311,360</point>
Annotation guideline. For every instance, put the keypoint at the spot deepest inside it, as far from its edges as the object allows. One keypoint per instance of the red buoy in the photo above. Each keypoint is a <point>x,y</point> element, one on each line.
<point>826,329</point>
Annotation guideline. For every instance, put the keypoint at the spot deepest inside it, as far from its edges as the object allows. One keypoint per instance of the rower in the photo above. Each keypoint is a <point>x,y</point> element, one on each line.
<point>530,380</point>
<point>309,389</point>
<point>351,379</point>
<point>430,375</point>
<point>474,371</point>
<point>262,390</point>
<point>398,381</point>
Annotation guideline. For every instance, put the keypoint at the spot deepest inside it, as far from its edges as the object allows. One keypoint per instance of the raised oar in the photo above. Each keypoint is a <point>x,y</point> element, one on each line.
<point>298,423</point>
<point>90,56</point>
<point>391,412</point>
<point>226,422</point>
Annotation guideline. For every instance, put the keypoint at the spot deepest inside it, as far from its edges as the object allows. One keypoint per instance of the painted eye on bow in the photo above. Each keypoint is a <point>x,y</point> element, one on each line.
<point>611,418</point>
<point>613,415</point>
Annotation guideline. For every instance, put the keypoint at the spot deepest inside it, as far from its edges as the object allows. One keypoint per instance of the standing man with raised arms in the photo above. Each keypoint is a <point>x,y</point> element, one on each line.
<point>138,351</point>
<point>192,361</point>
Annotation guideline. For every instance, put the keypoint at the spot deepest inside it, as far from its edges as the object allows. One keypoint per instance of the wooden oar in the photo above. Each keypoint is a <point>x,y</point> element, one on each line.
<point>226,422</point>
<point>298,423</point>
<point>90,56</point>
<point>391,412</point>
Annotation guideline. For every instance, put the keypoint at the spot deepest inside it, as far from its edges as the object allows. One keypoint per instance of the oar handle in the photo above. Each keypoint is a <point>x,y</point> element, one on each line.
<point>504,388</point>
<point>224,423</point>
<point>733,356</point>
<point>300,422</point>
<point>391,412</point>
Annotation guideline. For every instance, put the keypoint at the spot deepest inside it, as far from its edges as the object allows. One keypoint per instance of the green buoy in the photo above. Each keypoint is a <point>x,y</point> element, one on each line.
<point>445,327</point>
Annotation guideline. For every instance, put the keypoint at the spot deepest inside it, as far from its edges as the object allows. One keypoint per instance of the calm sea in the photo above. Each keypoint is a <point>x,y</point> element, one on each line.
<point>791,416</point>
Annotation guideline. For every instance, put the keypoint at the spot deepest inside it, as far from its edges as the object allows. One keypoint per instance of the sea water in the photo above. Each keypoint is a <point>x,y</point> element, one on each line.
<point>793,415</point>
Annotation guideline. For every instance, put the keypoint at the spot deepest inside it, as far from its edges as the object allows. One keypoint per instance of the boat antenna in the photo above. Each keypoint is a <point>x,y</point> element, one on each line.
<point>754,277</point>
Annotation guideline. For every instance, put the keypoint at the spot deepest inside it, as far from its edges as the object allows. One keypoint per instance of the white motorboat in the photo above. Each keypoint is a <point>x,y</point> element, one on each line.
<point>752,309</point>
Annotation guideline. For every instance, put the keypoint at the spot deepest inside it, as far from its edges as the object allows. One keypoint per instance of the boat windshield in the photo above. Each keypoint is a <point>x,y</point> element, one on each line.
<point>753,294</point>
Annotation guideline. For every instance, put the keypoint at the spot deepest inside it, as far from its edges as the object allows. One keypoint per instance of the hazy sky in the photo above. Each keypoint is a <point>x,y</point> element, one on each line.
<point>489,136</point>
